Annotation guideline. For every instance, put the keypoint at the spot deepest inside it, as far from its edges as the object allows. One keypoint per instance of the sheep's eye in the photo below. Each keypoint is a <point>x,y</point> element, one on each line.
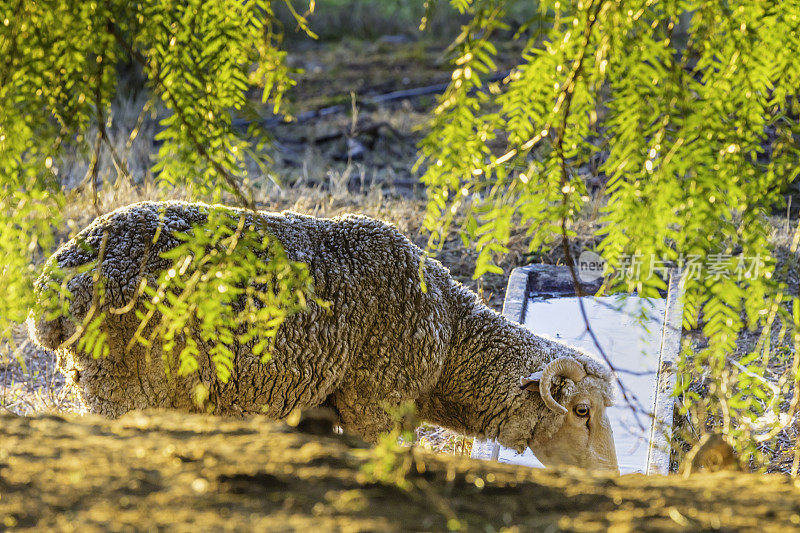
<point>582,410</point>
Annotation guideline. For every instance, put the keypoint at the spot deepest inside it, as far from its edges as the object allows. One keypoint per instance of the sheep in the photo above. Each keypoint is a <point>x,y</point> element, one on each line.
<point>383,340</point>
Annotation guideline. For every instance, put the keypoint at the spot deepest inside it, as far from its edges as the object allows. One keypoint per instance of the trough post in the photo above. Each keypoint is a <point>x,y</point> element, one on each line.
<point>658,455</point>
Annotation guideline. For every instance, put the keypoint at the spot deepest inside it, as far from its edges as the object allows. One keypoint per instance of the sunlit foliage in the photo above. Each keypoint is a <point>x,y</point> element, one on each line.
<point>201,61</point>
<point>230,285</point>
<point>690,109</point>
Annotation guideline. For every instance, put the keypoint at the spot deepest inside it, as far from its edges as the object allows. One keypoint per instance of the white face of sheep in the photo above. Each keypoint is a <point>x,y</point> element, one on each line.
<point>585,437</point>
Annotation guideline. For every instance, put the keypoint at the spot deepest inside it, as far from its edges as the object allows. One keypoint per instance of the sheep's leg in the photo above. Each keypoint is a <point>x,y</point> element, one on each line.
<point>367,419</point>
<point>330,403</point>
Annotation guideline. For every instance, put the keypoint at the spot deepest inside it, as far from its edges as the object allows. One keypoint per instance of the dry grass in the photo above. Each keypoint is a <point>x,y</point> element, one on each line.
<point>29,381</point>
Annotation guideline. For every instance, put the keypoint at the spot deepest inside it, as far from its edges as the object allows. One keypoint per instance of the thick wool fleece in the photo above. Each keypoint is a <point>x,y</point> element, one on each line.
<point>384,341</point>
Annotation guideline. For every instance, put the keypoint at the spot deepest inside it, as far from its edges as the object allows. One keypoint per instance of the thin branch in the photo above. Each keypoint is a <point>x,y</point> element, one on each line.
<point>119,163</point>
<point>142,60</point>
<point>93,172</point>
<point>564,103</point>
<point>94,164</point>
<point>94,167</point>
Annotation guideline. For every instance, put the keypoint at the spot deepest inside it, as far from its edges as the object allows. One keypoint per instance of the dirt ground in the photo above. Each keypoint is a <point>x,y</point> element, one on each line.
<point>188,472</point>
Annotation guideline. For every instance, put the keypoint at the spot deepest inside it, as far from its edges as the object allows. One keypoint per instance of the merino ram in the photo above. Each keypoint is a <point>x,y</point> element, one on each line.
<point>383,341</point>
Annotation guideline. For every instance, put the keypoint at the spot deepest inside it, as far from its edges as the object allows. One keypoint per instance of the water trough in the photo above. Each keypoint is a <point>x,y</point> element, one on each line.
<point>542,297</point>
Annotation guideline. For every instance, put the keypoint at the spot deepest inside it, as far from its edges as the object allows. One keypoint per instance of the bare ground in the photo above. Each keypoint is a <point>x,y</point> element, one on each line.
<point>188,472</point>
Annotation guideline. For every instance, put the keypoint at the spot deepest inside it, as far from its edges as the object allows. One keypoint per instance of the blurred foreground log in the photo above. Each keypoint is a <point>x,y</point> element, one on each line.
<point>189,472</point>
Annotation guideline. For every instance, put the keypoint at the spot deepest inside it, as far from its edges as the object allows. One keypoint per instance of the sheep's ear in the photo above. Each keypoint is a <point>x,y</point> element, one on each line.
<point>531,382</point>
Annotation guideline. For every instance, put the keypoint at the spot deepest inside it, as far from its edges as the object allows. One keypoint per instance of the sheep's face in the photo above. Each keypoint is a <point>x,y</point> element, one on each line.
<point>584,437</point>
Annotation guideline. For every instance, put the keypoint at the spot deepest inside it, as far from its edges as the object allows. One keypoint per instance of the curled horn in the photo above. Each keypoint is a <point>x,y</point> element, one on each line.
<point>566,367</point>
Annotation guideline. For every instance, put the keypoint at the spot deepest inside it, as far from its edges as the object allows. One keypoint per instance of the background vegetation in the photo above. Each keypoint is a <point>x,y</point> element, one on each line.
<point>664,131</point>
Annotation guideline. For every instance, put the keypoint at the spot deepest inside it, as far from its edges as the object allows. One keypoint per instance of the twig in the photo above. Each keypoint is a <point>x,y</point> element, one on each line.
<point>774,388</point>
<point>101,128</point>
<point>564,102</point>
<point>119,163</point>
<point>102,134</point>
<point>634,372</point>
<point>96,156</point>
<point>627,395</point>
<point>247,202</point>
<point>93,171</point>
